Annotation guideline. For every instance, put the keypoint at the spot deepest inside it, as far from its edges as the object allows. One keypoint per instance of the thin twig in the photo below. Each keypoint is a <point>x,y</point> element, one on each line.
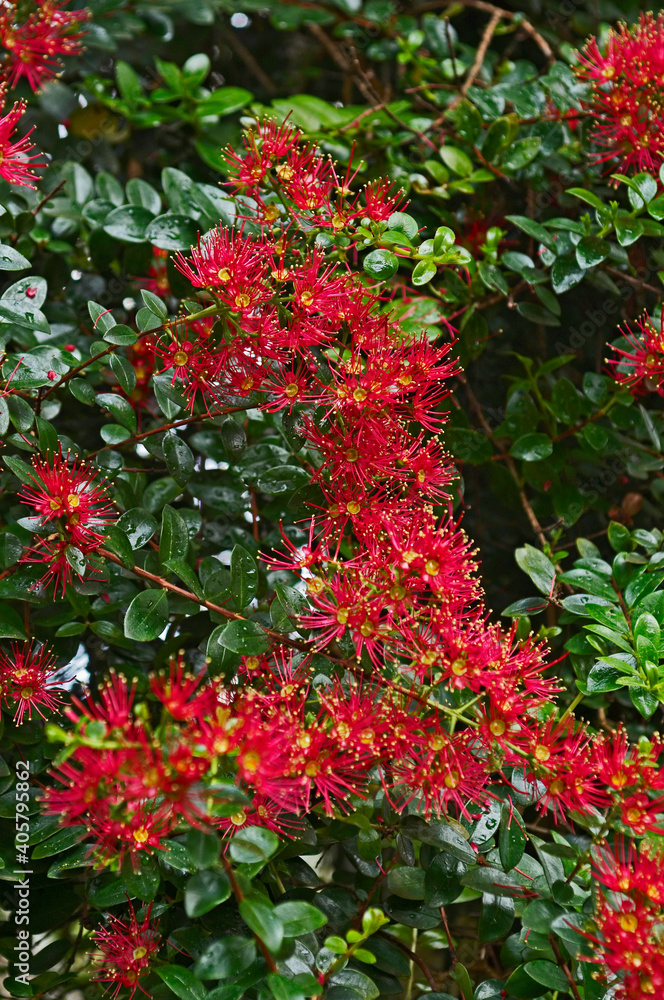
<point>48,197</point>
<point>412,955</point>
<point>487,35</point>
<point>249,61</point>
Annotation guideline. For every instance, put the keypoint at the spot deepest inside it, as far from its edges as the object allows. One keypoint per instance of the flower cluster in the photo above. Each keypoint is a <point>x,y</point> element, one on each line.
<point>34,40</point>
<point>641,369</point>
<point>629,919</point>
<point>124,951</point>
<point>626,84</point>
<point>71,511</point>
<point>16,165</point>
<point>29,679</point>
<point>390,578</point>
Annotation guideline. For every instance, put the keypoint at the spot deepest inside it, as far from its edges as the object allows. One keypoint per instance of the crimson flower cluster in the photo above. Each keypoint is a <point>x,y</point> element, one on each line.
<point>17,163</point>
<point>629,919</point>
<point>34,40</point>
<point>71,510</point>
<point>124,950</point>
<point>29,679</point>
<point>387,575</point>
<point>641,367</point>
<point>627,92</point>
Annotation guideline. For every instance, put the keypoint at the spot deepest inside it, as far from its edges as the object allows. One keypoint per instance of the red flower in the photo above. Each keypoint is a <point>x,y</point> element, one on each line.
<point>16,166</point>
<point>29,679</point>
<point>642,368</point>
<point>626,83</point>
<point>125,949</point>
<point>34,44</point>
<point>68,492</point>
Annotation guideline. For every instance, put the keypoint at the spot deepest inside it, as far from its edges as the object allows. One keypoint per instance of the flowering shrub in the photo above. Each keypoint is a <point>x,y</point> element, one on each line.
<point>284,380</point>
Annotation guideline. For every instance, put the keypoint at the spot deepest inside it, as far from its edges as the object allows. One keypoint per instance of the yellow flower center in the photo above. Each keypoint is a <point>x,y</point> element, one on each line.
<point>291,390</point>
<point>141,835</point>
<point>180,358</point>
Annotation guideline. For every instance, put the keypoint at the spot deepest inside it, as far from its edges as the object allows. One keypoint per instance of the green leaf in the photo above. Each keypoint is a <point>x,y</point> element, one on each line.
<point>644,701</point>
<point>154,303</point>
<point>128,82</point>
<point>406,882</point>
<point>128,223</point>
<point>139,192</point>
<point>245,637</point>
<point>147,615</point>
<point>547,974</point>
<point>511,838</point>
<point>179,458</point>
<point>284,989</point>
<point>298,917</point>
<point>203,847</point>
<point>458,161</point>
<point>181,981</point>
<point>139,526</point>
<point>124,372</point>
<point>592,250</point>
<point>522,987</point>
<point>244,577</point>
<point>539,914</point>
<point>565,274</point>
<point>381,265</point>
<point>172,232</point>
<point>526,606</point>
<point>12,260</point>
<point>588,196</point>
<point>11,625</point>
<point>532,447</point>
<point>603,677</point>
<point>492,880</point>
<point>204,891</point>
<point>620,538</point>
<point>468,121</point>
<point>223,101</point>
<point>423,272</point>
<point>225,958</point>
<point>533,229</point>
<point>540,569</point>
<point>174,537</point>
<point>253,844</point>
<point>260,915</point>
<point>496,918</point>
<point>441,880</point>
<point>521,153</point>
<point>62,840</point>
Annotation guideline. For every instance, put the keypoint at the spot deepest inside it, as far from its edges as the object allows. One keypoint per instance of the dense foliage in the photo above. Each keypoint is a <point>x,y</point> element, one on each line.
<point>331,569</point>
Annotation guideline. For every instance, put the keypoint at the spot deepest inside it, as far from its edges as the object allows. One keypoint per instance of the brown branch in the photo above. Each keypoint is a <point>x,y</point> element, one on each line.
<point>412,955</point>
<point>507,15</point>
<point>239,895</point>
<point>487,35</point>
<point>167,427</point>
<point>509,461</point>
<point>561,962</point>
<point>249,61</point>
<point>47,197</point>
<point>630,279</point>
<point>450,943</point>
<point>210,605</point>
